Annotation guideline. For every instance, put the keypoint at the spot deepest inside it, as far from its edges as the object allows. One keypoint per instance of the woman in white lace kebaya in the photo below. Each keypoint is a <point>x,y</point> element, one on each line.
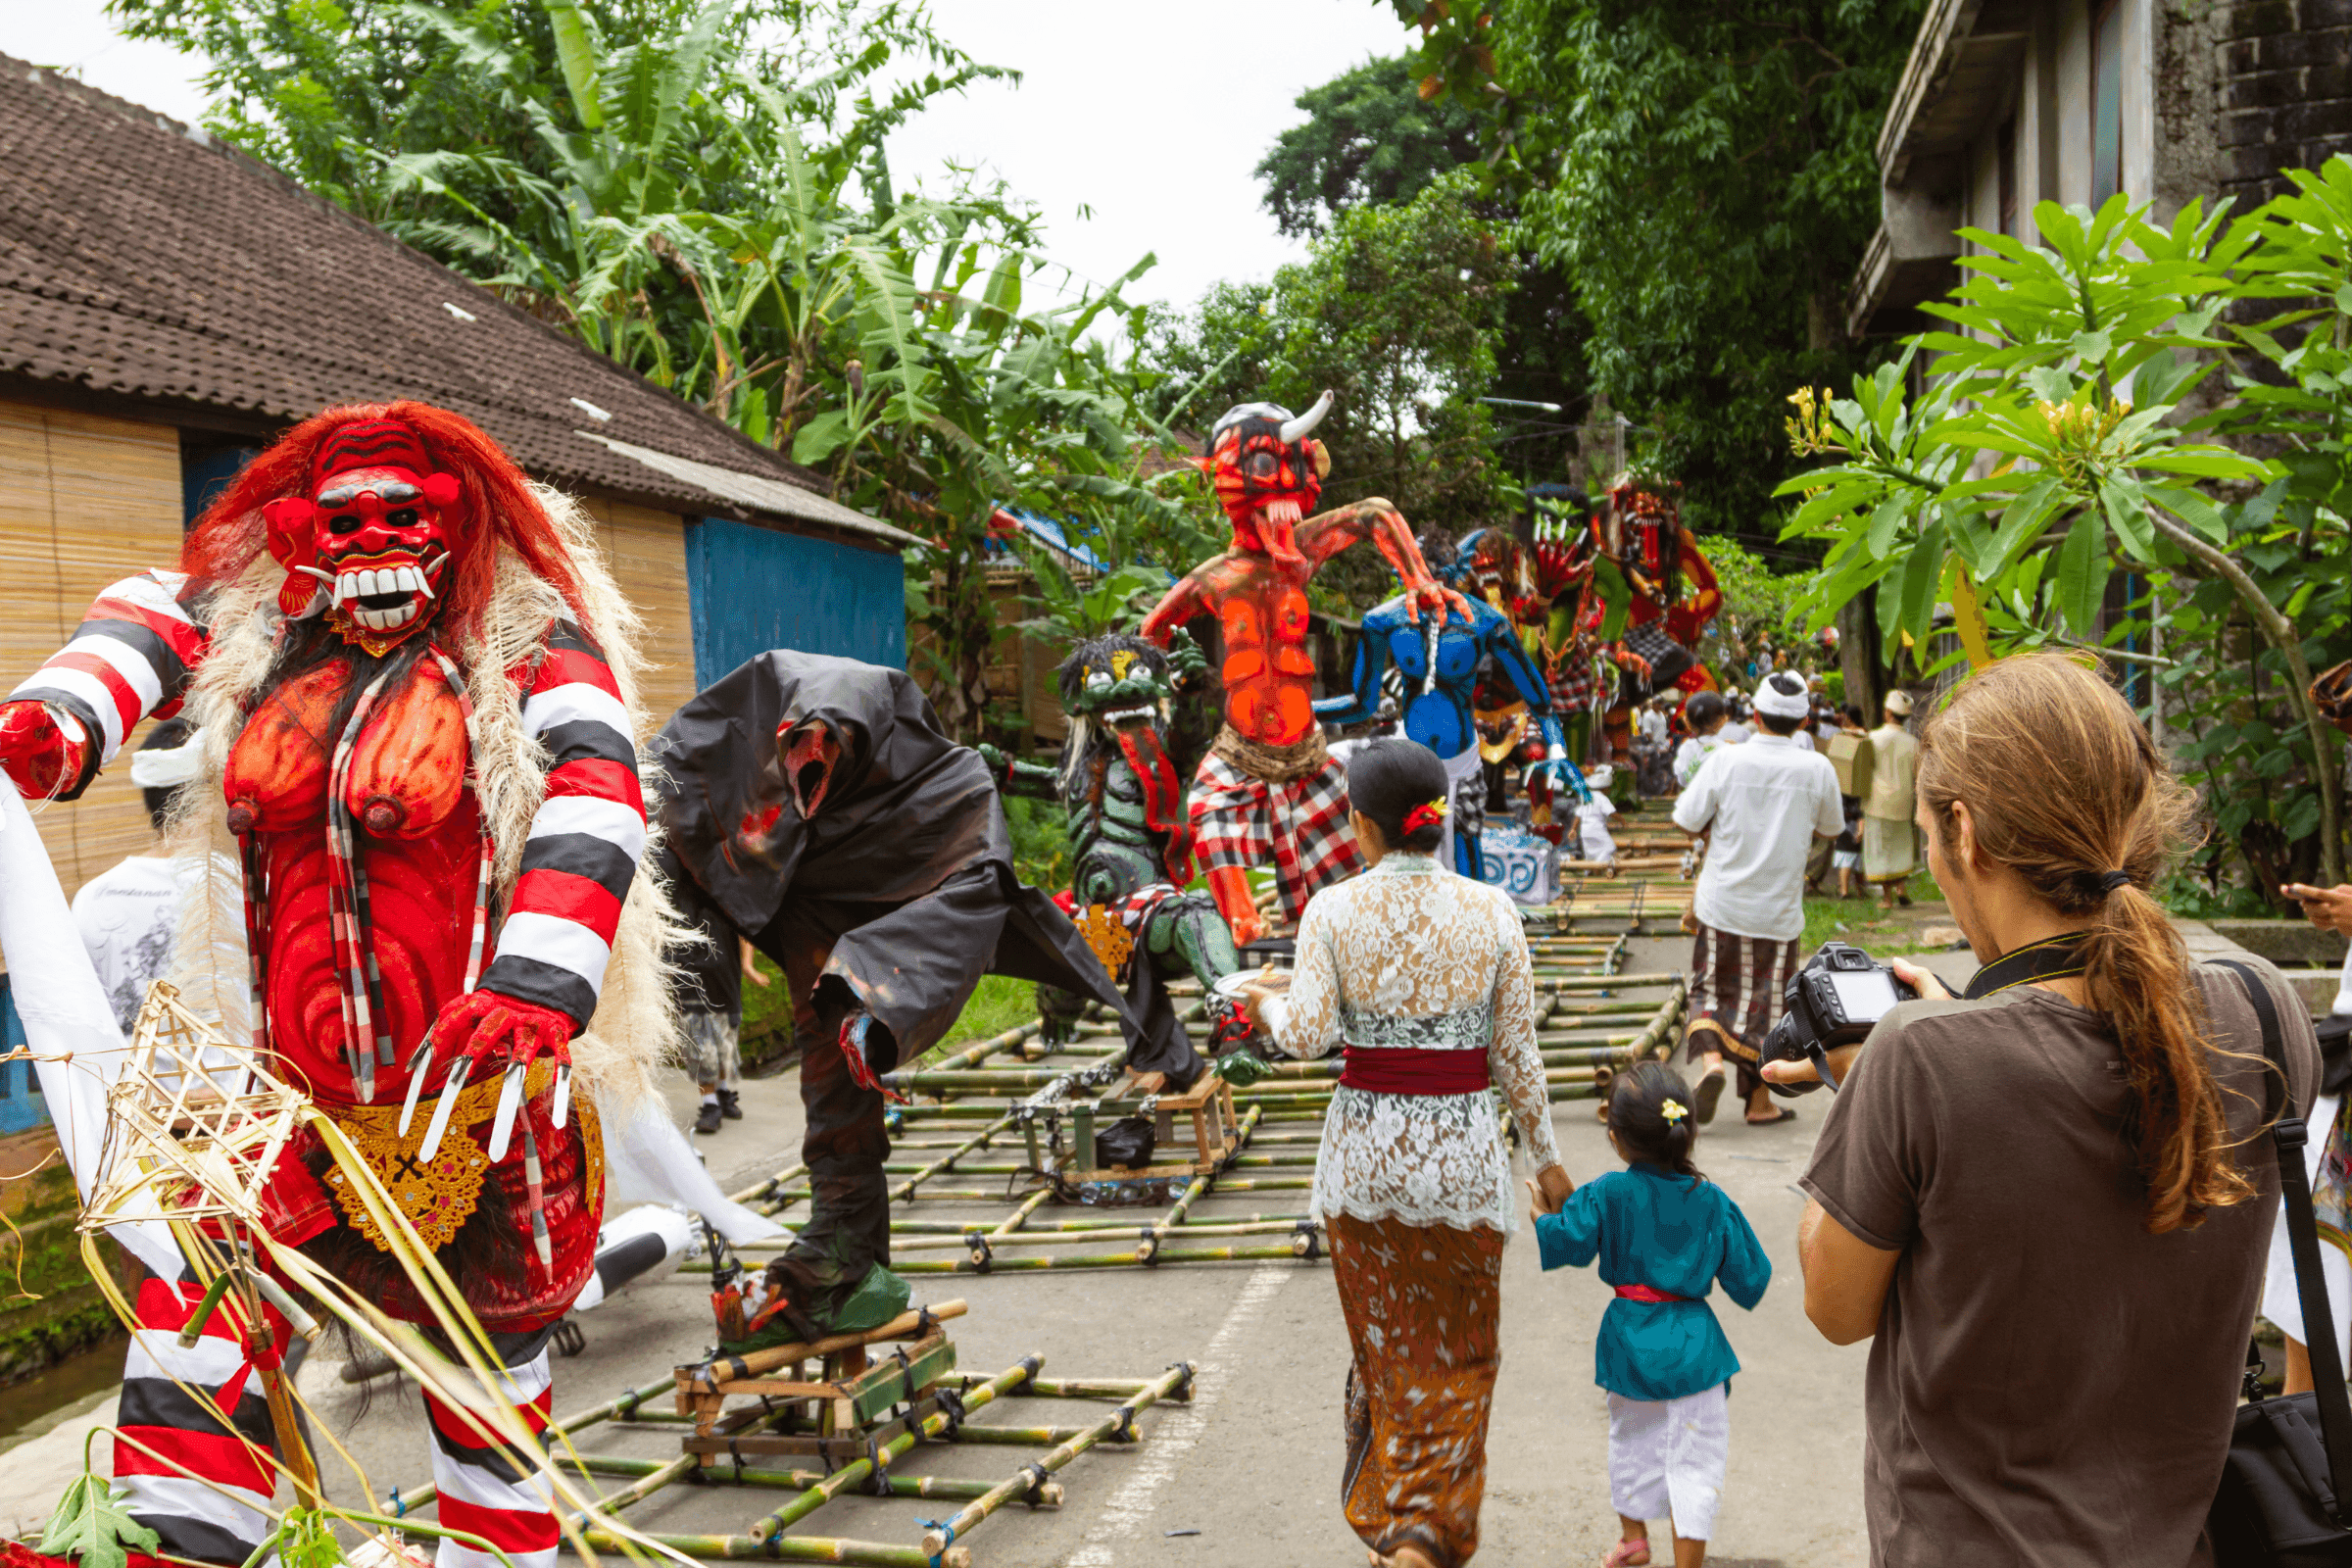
<point>1425,976</point>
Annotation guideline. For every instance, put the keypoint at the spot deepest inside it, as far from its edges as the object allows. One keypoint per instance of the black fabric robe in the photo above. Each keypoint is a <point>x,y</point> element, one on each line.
<point>897,897</point>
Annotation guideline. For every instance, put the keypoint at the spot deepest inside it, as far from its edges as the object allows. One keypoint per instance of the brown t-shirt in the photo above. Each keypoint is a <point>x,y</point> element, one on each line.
<point>2050,1385</point>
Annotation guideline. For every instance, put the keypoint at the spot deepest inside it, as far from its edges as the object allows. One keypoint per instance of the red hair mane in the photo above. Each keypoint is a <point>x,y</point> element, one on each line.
<point>495,505</point>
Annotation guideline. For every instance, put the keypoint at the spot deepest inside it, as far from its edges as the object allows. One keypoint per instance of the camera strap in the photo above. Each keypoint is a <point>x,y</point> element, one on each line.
<point>2051,958</point>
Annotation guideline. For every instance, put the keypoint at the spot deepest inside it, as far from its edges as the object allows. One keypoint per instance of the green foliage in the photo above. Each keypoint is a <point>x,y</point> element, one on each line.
<point>1756,604</point>
<point>2025,479</point>
<point>1396,309</point>
<point>1369,139</point>
<point>714,210</point>
<point>1704,176</point>
<point>90,1523</point>
<point>1041,842</point>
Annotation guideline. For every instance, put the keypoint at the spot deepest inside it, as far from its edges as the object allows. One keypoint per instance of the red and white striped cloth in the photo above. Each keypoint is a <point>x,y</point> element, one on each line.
<point>1301,828</point>
<point>482,1490</point>
<point>202,1487</point>
<point>136,651</point>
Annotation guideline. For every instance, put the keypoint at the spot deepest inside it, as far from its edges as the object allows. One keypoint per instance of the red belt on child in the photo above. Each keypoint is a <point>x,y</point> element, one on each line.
<point>1650,1293</point>
<point>1409,1070</point>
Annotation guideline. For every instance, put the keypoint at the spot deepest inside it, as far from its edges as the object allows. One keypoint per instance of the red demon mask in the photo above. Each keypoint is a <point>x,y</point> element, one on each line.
<point>368,545</point>
<point>1268,474</point>
<point>1646,536</point>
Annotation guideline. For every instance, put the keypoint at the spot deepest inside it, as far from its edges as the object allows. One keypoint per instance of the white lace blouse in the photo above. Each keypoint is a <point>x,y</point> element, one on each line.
<point>1408,955</point>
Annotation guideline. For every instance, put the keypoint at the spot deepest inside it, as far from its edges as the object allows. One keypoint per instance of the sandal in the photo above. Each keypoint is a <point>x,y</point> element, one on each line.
<point>1708,1091</point>
<point>1774,1120</point>
<point>1626,1554</point>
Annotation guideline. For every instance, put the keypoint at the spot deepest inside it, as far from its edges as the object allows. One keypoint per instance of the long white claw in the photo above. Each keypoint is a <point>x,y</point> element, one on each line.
<point>417,1065</point>
<point>510,1100</point>
<point>442,1108</point>
<point>563,1095</point>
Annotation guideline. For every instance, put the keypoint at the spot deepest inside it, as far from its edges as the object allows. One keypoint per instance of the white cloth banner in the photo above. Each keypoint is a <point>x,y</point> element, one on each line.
<point>648,1161</point>
<point>78,1049</point>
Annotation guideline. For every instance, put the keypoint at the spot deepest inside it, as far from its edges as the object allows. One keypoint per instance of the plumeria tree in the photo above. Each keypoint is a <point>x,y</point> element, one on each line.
<point>2164,403</point>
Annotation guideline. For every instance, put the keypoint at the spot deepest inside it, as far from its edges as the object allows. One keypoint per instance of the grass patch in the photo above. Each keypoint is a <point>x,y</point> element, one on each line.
<point>1860,923</point>
<point>998,1004</point>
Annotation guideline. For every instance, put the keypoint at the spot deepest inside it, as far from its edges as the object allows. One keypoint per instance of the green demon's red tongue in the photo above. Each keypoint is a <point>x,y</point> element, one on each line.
<point>1163,797</point>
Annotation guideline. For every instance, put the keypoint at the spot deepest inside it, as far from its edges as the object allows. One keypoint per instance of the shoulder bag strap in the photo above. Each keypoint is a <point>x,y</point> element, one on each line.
<point>2287,1137</point>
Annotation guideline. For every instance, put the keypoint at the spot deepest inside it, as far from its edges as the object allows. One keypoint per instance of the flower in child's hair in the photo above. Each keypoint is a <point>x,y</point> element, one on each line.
<point>1673,1110</point>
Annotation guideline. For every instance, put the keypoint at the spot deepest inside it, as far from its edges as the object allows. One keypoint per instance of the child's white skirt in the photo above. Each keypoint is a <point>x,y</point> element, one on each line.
<point>1666,1458</point>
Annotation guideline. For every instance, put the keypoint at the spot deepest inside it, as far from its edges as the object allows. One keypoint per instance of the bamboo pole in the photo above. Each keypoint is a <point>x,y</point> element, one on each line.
<point>939,1486</point>
<point>941,1536</point>
<point>705,1377</point>
<point>770,1530</point>
<point>622,1408</point>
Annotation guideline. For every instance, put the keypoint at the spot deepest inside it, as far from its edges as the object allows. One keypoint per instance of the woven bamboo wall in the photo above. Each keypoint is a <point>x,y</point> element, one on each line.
<point>647,551</point>
<point>84,501</point>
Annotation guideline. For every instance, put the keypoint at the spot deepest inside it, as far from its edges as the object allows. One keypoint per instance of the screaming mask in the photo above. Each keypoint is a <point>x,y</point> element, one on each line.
<point>1267,473</point>
<point>368,546</point>
<point>811,752</point>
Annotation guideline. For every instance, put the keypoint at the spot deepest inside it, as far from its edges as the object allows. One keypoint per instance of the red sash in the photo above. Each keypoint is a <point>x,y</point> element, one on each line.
<point>1650,1293</point>
<point>1404,1070</point>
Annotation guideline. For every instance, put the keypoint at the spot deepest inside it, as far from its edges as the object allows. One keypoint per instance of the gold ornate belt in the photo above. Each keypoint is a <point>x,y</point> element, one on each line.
<point>438,1194</point>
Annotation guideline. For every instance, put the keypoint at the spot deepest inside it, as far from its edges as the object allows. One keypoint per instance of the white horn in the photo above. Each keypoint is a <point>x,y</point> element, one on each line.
<point>1294,430</point>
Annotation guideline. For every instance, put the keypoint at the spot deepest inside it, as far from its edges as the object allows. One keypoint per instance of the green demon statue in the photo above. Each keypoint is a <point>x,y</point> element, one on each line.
<point>1133,843</point>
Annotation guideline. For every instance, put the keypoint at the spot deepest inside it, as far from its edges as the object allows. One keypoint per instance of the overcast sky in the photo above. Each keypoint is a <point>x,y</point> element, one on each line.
<point>1152,116</point>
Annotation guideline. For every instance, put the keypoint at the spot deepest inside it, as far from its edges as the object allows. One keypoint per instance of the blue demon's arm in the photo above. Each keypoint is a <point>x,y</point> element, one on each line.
<point>1362,704</point>
<point>1510,657</point>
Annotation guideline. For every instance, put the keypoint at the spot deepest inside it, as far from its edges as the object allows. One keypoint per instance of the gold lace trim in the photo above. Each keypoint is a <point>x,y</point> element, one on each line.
<point>439,1195</point>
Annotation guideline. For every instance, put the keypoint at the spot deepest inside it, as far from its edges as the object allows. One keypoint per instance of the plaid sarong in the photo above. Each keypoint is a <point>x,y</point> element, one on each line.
<point>1735,986</point>
<point>1299,828</point>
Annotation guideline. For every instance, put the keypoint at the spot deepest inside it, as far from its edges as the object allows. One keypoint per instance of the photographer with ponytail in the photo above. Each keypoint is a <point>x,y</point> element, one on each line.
<point>1426,976</point>
<point>2049,1198</point>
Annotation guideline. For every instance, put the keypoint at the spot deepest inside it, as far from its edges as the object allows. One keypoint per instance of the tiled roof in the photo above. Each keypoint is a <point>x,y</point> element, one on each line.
<point>142,258</point>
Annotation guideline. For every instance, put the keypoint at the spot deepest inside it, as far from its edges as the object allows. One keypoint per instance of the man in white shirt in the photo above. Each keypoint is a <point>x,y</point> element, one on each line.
<point>1761,806</point>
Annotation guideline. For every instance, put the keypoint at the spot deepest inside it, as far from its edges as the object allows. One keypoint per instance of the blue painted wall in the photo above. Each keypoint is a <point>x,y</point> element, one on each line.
<point>20,1104</point>
<point>204,472</point>
<point>757,588</point>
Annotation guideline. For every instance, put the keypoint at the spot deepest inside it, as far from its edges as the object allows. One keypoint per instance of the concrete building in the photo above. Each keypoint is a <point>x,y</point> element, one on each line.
<point>2005,104</point>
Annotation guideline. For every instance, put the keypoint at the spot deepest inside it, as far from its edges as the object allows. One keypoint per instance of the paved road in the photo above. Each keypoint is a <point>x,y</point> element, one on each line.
<point>1252,1463</point>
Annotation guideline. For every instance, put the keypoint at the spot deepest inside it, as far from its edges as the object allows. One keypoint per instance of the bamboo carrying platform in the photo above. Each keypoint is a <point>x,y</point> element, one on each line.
<point>979,1170</point>
<point>1207,1109</point>
<point>856,1410</point>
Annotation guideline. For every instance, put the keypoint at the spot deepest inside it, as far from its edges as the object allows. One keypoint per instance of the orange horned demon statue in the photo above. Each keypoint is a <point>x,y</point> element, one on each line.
<point>1270,791</point>
<point>417,712</point>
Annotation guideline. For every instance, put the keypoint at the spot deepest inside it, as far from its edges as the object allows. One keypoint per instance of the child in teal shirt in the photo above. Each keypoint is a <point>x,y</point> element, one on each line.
<point>1664,1235</point>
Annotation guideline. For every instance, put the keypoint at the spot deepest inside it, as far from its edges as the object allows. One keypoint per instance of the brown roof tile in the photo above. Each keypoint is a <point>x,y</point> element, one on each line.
<point>143,259</point>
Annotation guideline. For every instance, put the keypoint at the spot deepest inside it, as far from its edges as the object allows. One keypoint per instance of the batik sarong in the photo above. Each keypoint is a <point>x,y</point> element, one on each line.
<point>1422,1304</point>
<point>1735,987</point>
<point>1299,827</point>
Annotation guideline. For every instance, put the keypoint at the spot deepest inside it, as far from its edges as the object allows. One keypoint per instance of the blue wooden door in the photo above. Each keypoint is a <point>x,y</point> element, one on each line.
<point>757,588</point>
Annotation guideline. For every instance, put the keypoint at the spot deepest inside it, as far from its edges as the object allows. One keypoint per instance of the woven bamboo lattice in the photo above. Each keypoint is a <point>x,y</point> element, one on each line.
<point>193,1125</point>
<point>987,1152</point>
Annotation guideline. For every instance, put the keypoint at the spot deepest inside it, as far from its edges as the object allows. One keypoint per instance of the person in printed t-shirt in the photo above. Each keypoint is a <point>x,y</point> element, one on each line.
<point>126,914</point>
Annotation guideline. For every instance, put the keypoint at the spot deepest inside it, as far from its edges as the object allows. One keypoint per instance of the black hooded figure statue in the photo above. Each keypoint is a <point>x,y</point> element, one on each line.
<point>811,805</point>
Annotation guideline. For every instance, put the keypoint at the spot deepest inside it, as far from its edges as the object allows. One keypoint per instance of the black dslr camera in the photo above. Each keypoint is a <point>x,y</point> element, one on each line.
<point>1834,999</point>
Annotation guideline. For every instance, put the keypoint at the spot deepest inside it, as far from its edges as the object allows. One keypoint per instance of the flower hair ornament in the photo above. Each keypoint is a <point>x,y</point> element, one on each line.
<point>1673,1110</point>
<point>1430,814</point>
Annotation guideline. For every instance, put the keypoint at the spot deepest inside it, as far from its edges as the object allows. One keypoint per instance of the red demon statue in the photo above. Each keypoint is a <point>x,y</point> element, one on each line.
<point>1268,790</point>
<point>418,730</point>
